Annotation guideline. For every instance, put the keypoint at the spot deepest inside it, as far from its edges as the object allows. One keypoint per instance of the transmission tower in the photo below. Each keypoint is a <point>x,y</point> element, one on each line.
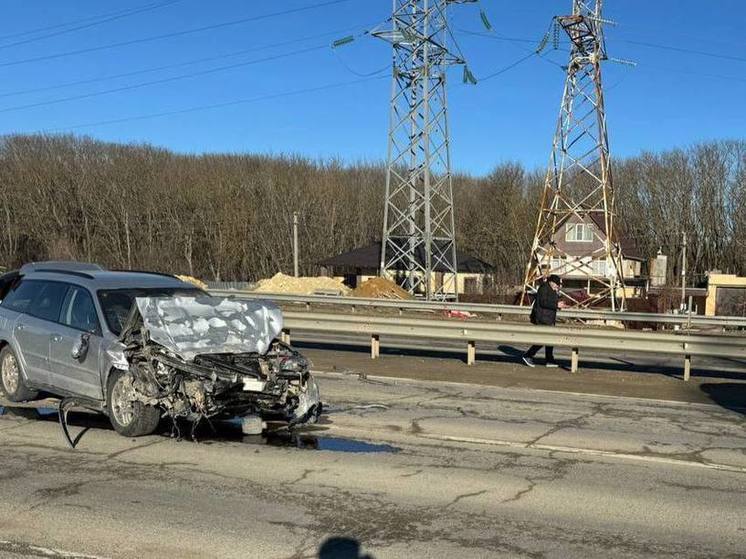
<point>418,231</point>
<point>578,187</point>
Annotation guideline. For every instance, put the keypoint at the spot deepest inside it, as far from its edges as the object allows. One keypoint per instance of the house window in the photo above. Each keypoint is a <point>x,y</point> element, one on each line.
<point>558,266</point>
<point>579,233</point>
<point>599,267</point>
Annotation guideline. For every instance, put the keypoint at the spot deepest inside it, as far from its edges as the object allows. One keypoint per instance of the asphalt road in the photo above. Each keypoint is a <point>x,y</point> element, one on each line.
<point>395,469</point>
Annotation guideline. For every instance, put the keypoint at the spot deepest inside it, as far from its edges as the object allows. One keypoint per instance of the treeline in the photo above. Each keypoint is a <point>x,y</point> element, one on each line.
<point>229,217</point>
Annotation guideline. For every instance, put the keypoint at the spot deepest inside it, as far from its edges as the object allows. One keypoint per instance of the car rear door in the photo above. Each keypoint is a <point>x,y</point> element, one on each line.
<point>75,346</point>
<point>38,303</point>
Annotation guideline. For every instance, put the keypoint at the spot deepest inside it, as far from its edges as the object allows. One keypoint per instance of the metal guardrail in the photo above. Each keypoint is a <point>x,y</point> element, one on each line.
<point>685,345</point>
<point>353,303</point>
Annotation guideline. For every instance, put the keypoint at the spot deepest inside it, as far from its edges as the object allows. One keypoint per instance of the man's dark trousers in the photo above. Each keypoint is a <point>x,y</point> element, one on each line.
<point>534,349</point>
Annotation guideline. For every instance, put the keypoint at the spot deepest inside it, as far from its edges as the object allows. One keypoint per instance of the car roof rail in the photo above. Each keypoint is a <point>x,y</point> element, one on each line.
<point>164,274</point>
<point>65,272</point>
<point>61,265</point>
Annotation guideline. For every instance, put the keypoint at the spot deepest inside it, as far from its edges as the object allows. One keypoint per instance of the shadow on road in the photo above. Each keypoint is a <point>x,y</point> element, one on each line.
<point>730,395</point>
<point>342,548</point>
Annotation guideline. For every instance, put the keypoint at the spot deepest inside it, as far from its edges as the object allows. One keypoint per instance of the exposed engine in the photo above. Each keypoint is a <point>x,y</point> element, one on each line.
<point>275,384</point>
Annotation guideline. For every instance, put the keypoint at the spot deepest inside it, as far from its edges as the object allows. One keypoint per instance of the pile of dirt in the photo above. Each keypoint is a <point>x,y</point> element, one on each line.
<point>280,283</point>
<point>380,288</point>
<point>194,281</point>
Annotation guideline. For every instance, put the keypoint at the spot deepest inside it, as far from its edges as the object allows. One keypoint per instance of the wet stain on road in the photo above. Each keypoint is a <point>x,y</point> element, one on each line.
<point>284,438</point>
<point>224,431</point>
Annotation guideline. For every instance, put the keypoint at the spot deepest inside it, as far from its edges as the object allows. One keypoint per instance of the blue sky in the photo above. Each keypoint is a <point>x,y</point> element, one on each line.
<point>672,98</point>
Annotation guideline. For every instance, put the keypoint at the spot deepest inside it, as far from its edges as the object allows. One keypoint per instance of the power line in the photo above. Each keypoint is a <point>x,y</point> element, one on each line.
<point>120,15</point>
<point>531,52</point>
<point>174,34</point>
<point>198,108</point>
<point>176,65</point>
<point>497,37</point>
<point>508,67</point>
<point>161,81</point>
<point>687,51</point>
<point>68,23</point>
<point>354,72</point>
<point>690,73</point>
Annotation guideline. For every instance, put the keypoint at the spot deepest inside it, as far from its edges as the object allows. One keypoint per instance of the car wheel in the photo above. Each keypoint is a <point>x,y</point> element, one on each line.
<point>129,417</point>
<point>11,378</point>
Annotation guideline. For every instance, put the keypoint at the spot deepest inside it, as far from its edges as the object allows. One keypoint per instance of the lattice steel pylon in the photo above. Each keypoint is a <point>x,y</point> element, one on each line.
<point>418,231</point>
<point>579,186</point>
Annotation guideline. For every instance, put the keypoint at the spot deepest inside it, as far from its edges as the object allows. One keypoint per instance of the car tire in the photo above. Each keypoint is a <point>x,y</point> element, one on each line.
<point>130,419</point>
<point>11,378</point>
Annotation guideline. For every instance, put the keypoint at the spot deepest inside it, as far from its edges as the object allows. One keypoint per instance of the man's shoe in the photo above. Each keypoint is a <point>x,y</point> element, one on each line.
<point>528,361</point>
<point>552,364</point>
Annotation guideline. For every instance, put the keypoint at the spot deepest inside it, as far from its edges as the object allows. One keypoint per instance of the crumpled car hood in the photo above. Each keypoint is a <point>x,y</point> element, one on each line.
<point>190,326</point>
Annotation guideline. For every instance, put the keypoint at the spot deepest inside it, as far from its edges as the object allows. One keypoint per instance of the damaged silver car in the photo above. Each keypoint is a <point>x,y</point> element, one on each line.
<point>141,347</point>
<point>202,357</point>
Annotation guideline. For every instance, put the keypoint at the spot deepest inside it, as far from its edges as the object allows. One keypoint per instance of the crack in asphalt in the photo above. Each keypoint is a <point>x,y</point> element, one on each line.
<point>574,422</point>
<point>307,472</point>
<point>466,496</point>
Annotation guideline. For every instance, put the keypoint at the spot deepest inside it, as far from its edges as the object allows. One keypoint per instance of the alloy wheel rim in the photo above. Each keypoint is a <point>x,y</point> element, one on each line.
<point>121,404</point>
<point>11,375</point>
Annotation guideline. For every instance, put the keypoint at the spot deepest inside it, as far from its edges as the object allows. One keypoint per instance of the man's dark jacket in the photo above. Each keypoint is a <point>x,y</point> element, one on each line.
<point>545,305</point>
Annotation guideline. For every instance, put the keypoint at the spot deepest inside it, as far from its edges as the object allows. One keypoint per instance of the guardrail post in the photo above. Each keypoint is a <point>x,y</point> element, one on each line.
<point>375,346</point>
<point>574,360</point>
<point>687,367</point>
<point>689,308</point>
<point>353,309</point>
<point>285,336</point>
<point>471,353</point>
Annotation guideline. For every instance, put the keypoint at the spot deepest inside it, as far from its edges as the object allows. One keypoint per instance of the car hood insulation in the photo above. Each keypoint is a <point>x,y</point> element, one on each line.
<point>191,326</point>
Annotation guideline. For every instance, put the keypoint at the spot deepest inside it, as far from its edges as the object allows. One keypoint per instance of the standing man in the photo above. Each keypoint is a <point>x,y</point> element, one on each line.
<point>544,312</point>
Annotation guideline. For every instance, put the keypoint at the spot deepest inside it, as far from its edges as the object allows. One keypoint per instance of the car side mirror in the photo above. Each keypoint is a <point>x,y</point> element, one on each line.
<point>80,347</point>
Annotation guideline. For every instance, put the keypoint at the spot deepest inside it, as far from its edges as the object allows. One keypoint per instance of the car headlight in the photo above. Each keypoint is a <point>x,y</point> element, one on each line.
<point>294,364</point>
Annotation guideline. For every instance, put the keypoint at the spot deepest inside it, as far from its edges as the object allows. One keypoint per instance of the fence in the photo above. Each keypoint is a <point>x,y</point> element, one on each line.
<point>471,332</point>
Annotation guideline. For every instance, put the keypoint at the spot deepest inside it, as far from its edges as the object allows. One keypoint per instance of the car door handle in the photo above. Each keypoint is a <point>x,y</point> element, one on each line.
<point>56,338</point>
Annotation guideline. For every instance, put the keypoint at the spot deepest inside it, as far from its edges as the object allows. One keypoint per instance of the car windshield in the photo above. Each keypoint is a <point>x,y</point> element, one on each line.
<point>117,303</point>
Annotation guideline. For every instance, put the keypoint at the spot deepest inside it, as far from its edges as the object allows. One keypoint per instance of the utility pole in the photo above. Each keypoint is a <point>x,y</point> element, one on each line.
<point>418,224</point>
<point>295,244</point>
<point>683,271</point>
<point>579,188</point>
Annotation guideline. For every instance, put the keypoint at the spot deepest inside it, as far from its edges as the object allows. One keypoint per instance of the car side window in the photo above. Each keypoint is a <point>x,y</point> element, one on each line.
<point>20,296</point>
<point>48,300</point>
<point>79,311</point>
<point>42,299</point>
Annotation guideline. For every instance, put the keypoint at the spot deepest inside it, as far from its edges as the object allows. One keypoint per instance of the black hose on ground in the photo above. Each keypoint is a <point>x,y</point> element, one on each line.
<point>64,407</point>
